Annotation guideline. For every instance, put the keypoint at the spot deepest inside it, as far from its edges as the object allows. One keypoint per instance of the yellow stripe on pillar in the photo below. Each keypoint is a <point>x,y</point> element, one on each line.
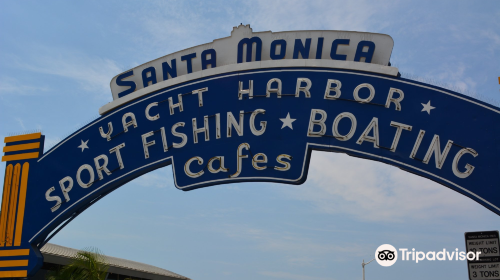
<point>15,252</point>
<point>20,156</point>
<point>13,263</point>
<point>22,137</point>
<point>21,147</point>
<point>5,203</point>
<point>22,203</point>
<point>13,205</point>
<point>13,273</point>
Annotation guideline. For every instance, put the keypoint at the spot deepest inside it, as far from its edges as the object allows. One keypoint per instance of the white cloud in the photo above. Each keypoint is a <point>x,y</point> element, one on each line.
<point>334,15</point>
<point>165,28</point>
<point>91,72</point>
<point>170,26</point>
<point>372,191</point>
<point>456,76</point>
<point>492,37</point>
<point>21,123</point>
<point>300,250</point>
<point>13,86</point>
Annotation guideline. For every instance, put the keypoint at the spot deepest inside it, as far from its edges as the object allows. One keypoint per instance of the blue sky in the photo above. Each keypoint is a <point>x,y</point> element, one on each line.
<point>56,61</point>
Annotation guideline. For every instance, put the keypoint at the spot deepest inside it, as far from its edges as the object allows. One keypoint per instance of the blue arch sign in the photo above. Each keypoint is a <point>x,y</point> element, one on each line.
<point>249,122</point>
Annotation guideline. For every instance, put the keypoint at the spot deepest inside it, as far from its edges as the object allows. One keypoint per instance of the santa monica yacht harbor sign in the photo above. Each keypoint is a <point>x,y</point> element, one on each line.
<point>248,108</point>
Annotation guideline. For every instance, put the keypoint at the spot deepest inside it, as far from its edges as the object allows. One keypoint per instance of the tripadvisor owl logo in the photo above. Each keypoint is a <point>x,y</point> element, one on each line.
<point>386,255</point>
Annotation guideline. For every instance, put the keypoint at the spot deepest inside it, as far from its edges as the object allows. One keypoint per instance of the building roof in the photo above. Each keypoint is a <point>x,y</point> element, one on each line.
<point>62,255</point>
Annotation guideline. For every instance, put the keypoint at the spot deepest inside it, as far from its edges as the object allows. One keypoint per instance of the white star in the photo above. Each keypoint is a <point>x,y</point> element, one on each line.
<point>287,121</point>
<point>84,146</point>
<point>427,107</point>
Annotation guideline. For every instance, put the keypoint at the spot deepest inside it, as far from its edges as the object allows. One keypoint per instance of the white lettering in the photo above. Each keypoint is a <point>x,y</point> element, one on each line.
<point>217,126</point>
<point>57,199</point>
<point>79,173</point>
<point>130,123</point>
<point>164,139</point>
<point>188,171</point>
<point>313,121</point>
<point>66,190</point>
<point>146,144</point>
<point>364,100</point>
<point>286,165</point>
<point>197,130</point>
<point>256,161</point>
<point>248,91</point>
<point>231,121</point>
<point>148,116</point>
<point>373,125</point>
<point>200,97</point>
<point>336,122</point>
<point>443,254</point>
<point>270,90</point>
<point>420,256</point>
<point>329,89</point>
<point>221,165</point>
<point>262,123</point>
<point>172,106</point>
<point>420,136</point>
<point>468,168</point>
<point>179,134</point>
<point>99,168</point>
<point>462,256</point>
<point>240,156</point>
<point>436,149</point>
<point>106,135</point>
<point>396,101</point>
<point>431,256</point>
<point>403,250</point>
<point>399,129</point>
<point>116,150</point>
<point>305,89</point>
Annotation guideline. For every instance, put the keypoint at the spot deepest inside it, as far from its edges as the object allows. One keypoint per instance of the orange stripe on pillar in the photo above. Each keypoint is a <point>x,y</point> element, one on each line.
<point>13,263</point>
<point>13,205</point>
<point>21,147</point>
<point>22,203</point>
<point>20,156</point>
<point>22,137</point>
<point>5,203</point>
<point>13,273</point>
<point>15,252</point>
